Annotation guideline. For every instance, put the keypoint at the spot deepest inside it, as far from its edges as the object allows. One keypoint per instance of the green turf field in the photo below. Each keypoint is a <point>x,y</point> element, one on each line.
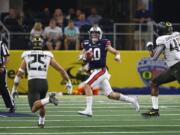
<point>110,117</point>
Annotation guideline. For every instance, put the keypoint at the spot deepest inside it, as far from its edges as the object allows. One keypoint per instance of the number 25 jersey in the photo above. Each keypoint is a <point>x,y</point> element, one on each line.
<point>37,63</point>
<point>172,47</point>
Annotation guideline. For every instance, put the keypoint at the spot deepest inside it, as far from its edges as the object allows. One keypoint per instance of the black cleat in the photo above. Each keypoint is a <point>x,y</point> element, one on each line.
<point>12,109</point>
<point>151,113</point>
<point>41,125</point>
<point>53,99</point>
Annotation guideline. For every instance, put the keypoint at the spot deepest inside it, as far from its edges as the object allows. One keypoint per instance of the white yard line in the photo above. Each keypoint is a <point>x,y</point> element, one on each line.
<point>79,133</point>
<point>96,103</point>
<point>94,126</point>
<point>98,107</point>
<point>106,115</point>
<point>129,120</point>
<point>101,115</point>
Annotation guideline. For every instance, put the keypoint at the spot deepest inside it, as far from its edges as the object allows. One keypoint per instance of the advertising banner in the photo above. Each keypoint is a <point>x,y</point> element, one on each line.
<point>124,74</point>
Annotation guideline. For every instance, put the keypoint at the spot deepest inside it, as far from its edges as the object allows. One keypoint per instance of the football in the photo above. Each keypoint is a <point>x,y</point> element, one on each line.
<point>88,55</point>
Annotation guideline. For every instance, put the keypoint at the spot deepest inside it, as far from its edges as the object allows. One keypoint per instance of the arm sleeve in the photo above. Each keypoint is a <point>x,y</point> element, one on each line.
<point>159,49</point>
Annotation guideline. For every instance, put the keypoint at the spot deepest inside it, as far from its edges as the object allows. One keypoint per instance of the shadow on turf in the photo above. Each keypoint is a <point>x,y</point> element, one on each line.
<point>7,114</point>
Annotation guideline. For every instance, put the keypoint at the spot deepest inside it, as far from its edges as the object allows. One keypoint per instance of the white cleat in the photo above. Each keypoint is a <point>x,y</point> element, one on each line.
<point>86,113</point>
<point>136,104</point>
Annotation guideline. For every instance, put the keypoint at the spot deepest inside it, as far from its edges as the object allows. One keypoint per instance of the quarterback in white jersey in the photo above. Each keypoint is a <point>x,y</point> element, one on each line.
<point>168,44</point>
<point>37,62</point>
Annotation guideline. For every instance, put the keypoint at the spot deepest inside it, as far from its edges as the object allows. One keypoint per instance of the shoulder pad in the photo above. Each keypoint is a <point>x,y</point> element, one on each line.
<point>50,54</point>
<point>24,54</point>
<point>86,42</point>
<point>107,42</point>
<point>161,40</point>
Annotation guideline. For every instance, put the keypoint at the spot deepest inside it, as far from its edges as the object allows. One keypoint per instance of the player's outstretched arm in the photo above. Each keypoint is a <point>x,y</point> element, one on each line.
<point>159,49</point>
<point>63,73</point>
<point>17,78</point>
<point>115,52</point>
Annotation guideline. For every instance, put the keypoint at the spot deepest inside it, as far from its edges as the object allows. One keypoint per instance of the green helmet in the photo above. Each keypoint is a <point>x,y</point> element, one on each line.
<point>37,42</point>
<point>164,28</point>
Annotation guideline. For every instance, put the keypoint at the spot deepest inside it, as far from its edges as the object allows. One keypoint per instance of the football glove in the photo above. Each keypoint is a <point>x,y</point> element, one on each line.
<point>69,87</point>
<point>82,57</point>
<point>117,57</point>
<point>150,46</point>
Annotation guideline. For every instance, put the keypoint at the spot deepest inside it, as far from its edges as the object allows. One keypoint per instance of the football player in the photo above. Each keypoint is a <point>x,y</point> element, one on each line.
<point>168,44</point>
<point>37,62</point>
<point>99,75</point>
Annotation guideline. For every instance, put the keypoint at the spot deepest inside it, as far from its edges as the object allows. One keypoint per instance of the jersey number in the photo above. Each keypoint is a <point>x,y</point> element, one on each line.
<point>174,45</point>
<point>37,58</point>
<point>96,53</point>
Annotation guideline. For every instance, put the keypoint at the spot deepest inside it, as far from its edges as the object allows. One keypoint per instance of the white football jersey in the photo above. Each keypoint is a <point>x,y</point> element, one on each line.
<point>37,63</point>
<point>172,47</point>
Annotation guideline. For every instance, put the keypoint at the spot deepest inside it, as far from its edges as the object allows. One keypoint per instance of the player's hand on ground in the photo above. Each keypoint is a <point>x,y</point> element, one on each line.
<point>69,87</point>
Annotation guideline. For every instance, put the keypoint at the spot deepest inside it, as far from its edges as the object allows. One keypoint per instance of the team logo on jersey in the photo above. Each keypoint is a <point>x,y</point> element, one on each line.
<point>149,69</point>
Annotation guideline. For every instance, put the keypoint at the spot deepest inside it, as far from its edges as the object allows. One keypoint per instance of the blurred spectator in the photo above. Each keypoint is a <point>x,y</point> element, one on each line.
<point>20,18</point>
<point>11,21</point>
<point>78,13</point>
<point>12,15</point>
<point>142,17</point>
<point>71,14</point>
<point>45,16</point>
<point>59,17</point>
<point>37,29</point>
<point>53,35</point>
<point>81,21</point>
<point>28,21</point>
<point>94,18</point>
<point>71,33</point>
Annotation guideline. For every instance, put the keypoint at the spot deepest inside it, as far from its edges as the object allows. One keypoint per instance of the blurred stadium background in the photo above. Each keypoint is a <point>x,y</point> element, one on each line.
<point>119,22</point>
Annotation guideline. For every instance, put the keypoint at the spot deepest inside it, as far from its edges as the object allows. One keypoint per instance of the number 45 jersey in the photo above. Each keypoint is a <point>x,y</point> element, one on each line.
<point>172,47</point>
<point>37,63</point>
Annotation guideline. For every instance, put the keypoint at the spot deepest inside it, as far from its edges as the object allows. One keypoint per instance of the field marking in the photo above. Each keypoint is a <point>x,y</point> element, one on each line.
<point>83,106</point>
<point>3,116</point>
<point>89,126</point>
<point>114,115</point>
<point>108,111</point>
<point>100,115</point>
<point>128,120</point>
<point>72,133</point>
<point>96,103</point>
